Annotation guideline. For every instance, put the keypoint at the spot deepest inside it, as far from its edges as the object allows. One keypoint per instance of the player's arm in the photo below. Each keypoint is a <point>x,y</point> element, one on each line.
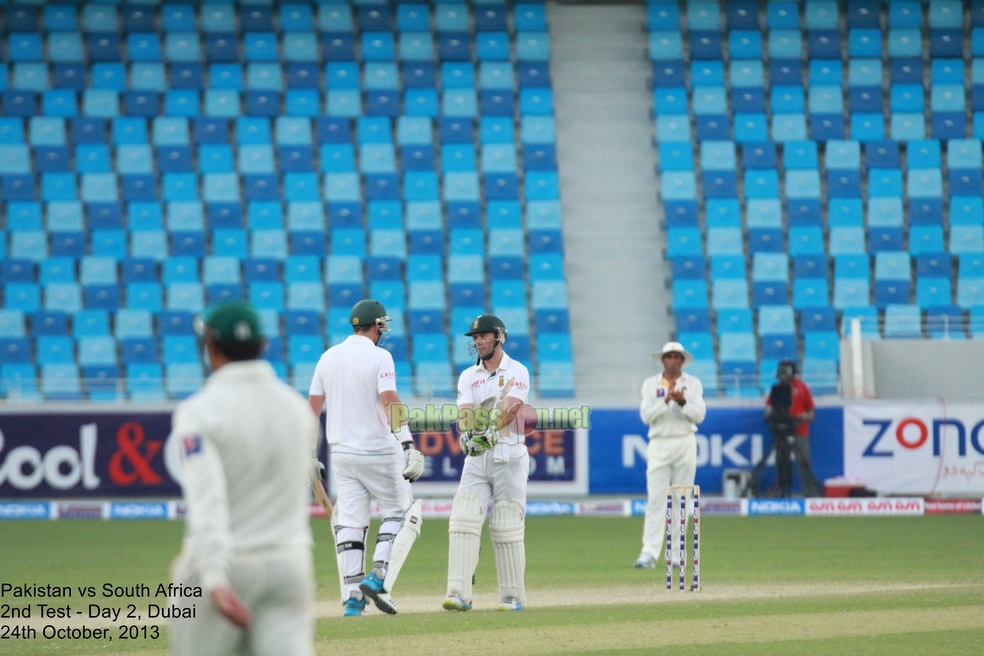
<point>511,408</point>
<point>694,409</point>
<point>651,408</point>
<point>317,392</point>
<point>317,403</point>
<point>389,399</point>
<point>515,399</point>
<point>388,396</point>
<point>414,459</point>
<point>204,486</point>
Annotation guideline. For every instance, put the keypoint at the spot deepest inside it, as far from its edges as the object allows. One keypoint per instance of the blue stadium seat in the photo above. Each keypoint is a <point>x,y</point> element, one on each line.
<point>53,323</point>
<point>902,321</point>
<point>734,320</point>
<point>932,292</point>
<point>810,292</point>
<point>60,382</point>
<point>945,322</point>
<point>821,345</point>
<point>730,294</point>
<point>776,320</point>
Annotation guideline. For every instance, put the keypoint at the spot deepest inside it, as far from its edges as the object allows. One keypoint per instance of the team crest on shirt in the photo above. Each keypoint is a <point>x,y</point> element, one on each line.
<point>502,381</point>
<point>192,444</point>
<point>661,392</point>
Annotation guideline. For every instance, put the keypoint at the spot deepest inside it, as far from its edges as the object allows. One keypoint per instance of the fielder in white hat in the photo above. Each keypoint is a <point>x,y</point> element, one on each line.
<point>672,406</point>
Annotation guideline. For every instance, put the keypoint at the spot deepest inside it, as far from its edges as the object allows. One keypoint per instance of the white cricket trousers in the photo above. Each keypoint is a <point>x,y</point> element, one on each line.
<point>494,481</point>
<point>277,586</point>
<point>672,461</point>
<point>359,478</point>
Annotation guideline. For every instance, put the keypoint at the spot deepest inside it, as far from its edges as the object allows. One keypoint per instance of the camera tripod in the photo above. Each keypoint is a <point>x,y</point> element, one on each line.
<point>785,445</point>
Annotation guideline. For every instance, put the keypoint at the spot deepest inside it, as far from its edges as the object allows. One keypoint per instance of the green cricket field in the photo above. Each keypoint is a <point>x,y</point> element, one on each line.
<point>770,585</point>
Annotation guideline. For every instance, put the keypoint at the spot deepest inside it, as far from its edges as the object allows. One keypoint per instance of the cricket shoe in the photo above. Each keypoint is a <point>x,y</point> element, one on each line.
<point>353,607</point>
<point>645,561</point>
<point>373,588</point>
<point>455,602</point>
<point>510,603</point>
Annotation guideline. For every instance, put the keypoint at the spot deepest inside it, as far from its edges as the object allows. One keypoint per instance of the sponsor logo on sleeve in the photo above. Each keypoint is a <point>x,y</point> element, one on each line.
<point>191,444</point>
<point>390,375</point>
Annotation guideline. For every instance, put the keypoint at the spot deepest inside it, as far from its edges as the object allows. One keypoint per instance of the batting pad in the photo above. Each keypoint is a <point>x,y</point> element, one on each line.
<point>405,538</point>
<point>350,546</point>
<point>384,544</point>
<point>465,532</point>
<point>507,531</point>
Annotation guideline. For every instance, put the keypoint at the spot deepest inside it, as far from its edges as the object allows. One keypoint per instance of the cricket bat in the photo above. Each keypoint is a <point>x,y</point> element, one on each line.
<point>319,492</point>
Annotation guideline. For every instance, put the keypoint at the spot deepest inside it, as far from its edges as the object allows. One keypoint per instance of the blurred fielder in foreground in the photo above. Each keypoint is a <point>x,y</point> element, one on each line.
<point>246,440</point>
<point>672,406</point>
<point>497,469</point>
<point>358,380</point>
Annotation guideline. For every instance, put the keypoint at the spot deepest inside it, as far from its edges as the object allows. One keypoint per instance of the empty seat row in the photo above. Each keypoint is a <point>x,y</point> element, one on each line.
<point>49,136</point>
<point>816,14</point>
<point>269,46</point>
<point>230,103</point>
<point>57,82</point>
<point>752,74</point>
<point>220,17</point>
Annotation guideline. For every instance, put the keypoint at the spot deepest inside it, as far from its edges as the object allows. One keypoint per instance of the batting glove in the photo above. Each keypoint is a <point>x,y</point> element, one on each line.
<point>320,470</point>
<point>485,438</point>
<point>415,462</point>
<point>469,446</point>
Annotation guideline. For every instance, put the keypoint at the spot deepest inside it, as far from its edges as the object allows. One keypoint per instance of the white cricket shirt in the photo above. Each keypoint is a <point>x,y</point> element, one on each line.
<point>476,384</point>
<point>246,441</point>
<point>669,419</point>
<point>351,376</point>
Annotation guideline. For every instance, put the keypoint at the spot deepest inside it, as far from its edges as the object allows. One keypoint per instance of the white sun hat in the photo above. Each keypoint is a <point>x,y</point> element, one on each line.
<point>673,347</point>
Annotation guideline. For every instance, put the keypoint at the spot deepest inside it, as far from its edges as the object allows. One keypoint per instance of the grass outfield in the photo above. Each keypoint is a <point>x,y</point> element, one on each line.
<point>878,585</point>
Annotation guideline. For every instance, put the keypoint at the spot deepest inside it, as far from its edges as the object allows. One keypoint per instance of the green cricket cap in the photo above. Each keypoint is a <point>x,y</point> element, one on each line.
<point>231,323</point>
<point>486,323</point>
<point>365,313</point>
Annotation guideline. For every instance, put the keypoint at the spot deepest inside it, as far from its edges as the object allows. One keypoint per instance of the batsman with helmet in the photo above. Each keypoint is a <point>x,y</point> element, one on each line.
<point>496,469</point>
<point>355,382</point>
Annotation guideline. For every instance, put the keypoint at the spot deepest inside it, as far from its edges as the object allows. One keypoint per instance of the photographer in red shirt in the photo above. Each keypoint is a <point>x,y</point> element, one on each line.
<point>789,411</point>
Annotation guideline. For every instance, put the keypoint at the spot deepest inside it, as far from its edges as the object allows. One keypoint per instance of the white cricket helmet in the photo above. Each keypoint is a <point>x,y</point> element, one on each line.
<point>673,347</point>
